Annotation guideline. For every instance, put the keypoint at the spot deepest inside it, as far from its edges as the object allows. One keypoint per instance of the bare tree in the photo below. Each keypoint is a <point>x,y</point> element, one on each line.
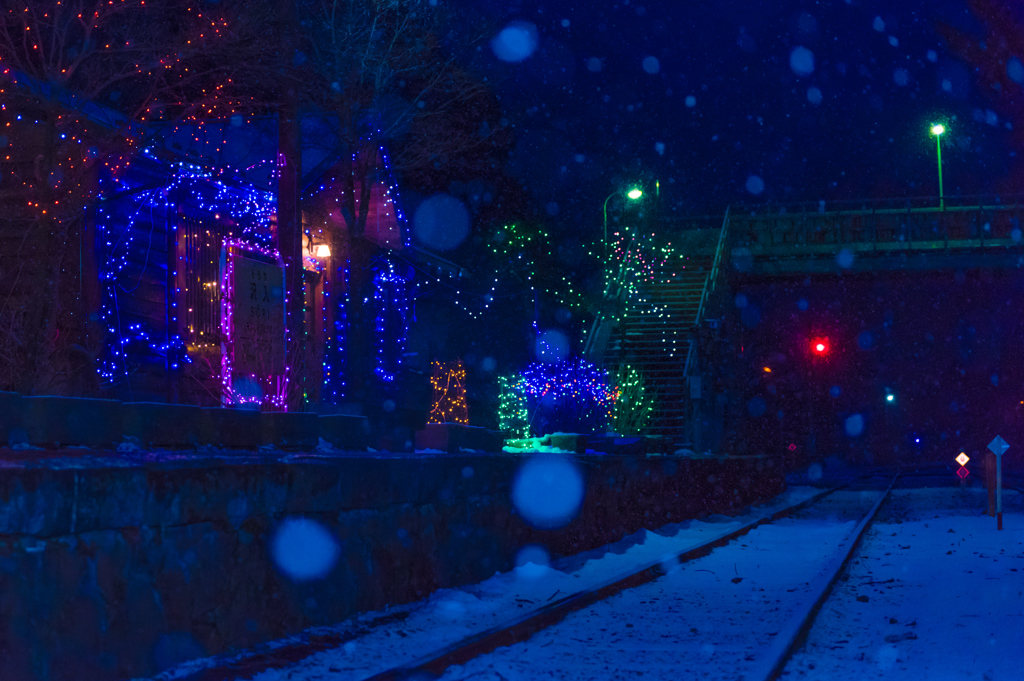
<point>89,74</point>
<point>378,70</point>
<point>386,80</point>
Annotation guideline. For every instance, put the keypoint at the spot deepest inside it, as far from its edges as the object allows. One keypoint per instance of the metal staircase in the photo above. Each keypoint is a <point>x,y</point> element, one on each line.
<point>655,338</point>
<point>657,334</point>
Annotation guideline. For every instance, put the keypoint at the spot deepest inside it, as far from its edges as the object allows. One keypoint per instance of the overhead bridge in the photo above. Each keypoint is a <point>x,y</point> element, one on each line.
<point>664,320</point>
<point>979,232</point>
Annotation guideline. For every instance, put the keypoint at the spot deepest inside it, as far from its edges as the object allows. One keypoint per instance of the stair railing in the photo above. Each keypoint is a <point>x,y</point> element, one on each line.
<point>710,282</point>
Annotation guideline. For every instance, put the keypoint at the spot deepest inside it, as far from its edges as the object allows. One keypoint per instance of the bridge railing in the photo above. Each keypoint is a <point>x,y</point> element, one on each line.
<point>886,224</point>
<point>902,204</point>
<point>969,225</point>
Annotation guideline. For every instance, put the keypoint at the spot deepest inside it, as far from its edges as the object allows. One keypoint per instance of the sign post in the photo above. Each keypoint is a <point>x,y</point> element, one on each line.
<point>998,447</point>
<point>990,482</point>
<point>963,472</point>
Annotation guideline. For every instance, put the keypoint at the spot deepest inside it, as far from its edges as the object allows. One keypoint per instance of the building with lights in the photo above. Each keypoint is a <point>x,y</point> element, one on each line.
<point>175,282</point>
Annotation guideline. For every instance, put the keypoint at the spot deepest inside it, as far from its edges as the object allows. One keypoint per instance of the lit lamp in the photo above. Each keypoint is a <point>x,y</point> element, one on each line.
<point>937,130</point>
<point>633,194</point>
<point>315,250</point>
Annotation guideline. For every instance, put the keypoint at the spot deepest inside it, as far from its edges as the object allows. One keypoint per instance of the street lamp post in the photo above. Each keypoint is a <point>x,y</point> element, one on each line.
<point>937,130</point>
<point>599,319</point>
<point>633,194</point>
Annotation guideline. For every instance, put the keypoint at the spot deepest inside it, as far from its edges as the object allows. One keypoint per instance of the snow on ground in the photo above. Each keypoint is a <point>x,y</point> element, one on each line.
<point>449,615</point>
<point>943,592</point>
<point>934,592</point>
<point>710,618</point>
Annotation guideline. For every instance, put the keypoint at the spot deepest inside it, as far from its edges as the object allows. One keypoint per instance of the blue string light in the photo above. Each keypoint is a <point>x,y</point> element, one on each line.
<point>334,352</point>
<point>392,321</point>
<point>571,379</point>
<point>243,208</point>
<point>573,395</point>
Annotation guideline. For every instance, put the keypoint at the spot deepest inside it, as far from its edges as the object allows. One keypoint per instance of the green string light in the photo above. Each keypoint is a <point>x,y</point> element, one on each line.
<point>513,414</point>
<point>634,404</point>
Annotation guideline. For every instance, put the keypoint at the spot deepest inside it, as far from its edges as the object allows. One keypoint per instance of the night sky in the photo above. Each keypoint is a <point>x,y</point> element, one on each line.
<point>729,96</point>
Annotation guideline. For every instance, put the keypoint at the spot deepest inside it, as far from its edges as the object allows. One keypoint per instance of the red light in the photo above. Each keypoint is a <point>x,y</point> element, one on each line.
<point>820,346</point>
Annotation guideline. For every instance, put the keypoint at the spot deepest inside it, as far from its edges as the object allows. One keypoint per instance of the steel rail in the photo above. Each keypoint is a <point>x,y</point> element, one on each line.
<point>526,625</point>
<point>793,635</point>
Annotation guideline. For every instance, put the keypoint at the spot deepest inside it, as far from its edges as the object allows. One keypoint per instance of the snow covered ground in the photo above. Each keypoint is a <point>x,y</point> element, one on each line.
<point>452,614</point>
<point>944,590</point>
<point>933,592</point>
<point>710,618</point>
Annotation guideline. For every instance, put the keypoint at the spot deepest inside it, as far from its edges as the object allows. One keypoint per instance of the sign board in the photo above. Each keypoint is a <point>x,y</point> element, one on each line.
<point>998,446</point>
<point>258,310</point>
<point>962,459</point>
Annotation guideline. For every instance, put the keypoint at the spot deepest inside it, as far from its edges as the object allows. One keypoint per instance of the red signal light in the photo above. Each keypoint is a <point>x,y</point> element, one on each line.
<point>820,346</point>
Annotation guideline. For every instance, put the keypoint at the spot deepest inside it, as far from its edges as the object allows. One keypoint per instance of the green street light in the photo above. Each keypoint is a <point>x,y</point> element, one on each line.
<point>937,130</point>
<point>633,194</point>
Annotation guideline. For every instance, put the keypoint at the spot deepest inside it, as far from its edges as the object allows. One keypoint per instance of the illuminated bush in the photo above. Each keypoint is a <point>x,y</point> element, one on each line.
<point>634,403</point>
<point>571,396</point>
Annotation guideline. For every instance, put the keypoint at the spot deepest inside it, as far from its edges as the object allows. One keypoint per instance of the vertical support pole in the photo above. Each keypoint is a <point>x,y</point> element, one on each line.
<point>697,444</point>
<point>289,215</point>
<point>89,276</point>
<point>990,482</point>
<point>695,398</point>
<point>938,150</point>
<point>174,220</point>
<point>999,492</point>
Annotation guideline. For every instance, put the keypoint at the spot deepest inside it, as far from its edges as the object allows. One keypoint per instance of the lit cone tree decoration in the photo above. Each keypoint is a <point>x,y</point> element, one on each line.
<point>513,407</point>
<point>449,404</point>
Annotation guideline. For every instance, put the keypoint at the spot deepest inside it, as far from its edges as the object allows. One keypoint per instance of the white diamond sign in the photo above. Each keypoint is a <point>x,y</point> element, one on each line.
<point>998,446</point>
<point>962,459</point>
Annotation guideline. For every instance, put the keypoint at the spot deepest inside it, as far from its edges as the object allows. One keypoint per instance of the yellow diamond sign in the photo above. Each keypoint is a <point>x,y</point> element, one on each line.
<point>963,459</point>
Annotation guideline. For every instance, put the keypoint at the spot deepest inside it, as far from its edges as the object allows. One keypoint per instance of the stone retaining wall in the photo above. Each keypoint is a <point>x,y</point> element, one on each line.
<point>49,421</point>
<point>114,566</point>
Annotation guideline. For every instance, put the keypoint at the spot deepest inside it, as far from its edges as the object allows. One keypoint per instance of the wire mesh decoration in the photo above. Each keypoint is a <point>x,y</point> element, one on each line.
<point>449,403</point>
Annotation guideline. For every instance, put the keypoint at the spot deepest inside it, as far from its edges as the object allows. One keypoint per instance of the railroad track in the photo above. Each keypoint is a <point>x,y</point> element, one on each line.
<point>767,666</point>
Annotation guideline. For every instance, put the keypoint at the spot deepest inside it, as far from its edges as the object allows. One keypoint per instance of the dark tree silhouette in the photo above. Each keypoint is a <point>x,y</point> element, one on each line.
<point>378,71</point>
<point>79,78</point>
